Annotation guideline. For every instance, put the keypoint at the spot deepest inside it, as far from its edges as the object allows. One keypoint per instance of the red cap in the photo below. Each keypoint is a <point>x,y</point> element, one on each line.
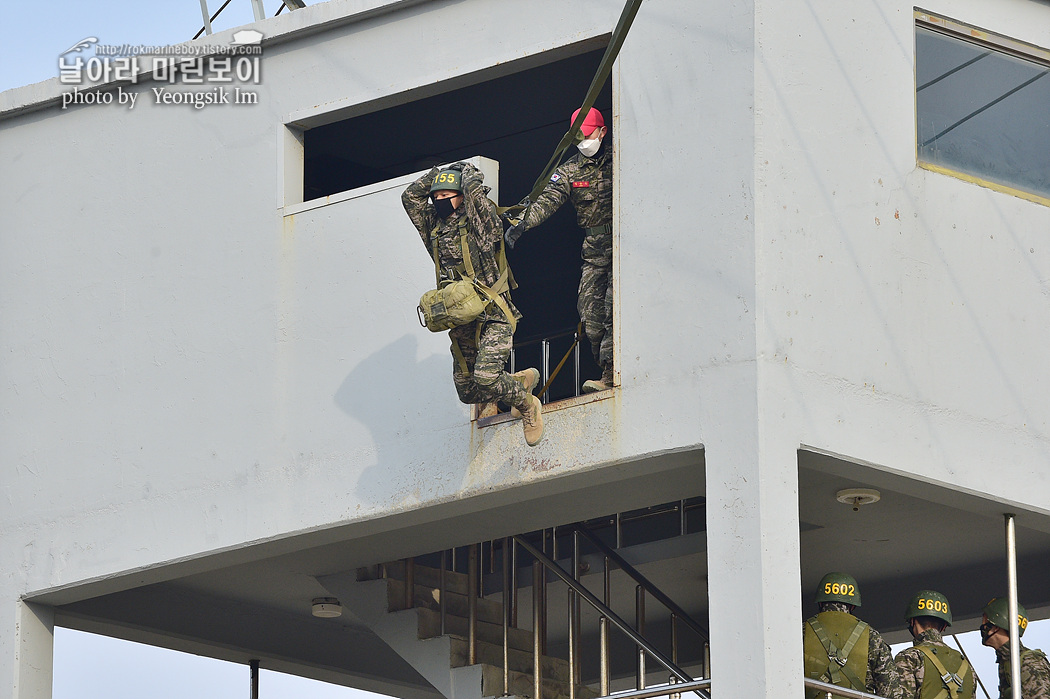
<point>591,122</point>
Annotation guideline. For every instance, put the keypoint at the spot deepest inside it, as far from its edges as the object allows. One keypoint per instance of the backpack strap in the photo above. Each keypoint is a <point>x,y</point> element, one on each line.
<point>953,681</point>
<point>503,284</point>
<point>837,670</point>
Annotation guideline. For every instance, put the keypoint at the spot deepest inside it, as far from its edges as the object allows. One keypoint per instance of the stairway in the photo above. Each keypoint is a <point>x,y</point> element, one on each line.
<point>415,634</point>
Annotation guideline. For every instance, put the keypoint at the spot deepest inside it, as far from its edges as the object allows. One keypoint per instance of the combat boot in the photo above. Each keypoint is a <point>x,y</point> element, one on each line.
<point>487,410</point>
<point>604,384</point>
<point>527,378</point>
<point>532,421</point>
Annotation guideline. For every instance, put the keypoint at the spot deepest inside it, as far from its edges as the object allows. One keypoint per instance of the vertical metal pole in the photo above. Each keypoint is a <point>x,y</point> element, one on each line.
<point>682,525</point>
<point>639,616</point>
<point>472,605</point>
<point>513,357</point>
<point>619,531</point>
<point>514,583</point>
<point>707,659</point>
<point>410,582</point>
<point>537,603</point>
<point>506,617</point>
<point>572,643</point>
<point>442,606</point>
<point>603,634</point>
<point>257,10</point>
<point>574,669</point>
<point>1011,580</point>
<point>674,638</point>
<point>207,16</point>
<point>545,346</point>
<point>576,361</point>
<point>453,559</point>
<point>253,665</point>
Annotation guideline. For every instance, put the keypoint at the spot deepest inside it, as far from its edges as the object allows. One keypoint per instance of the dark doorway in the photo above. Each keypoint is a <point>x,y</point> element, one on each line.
<point>517,120</point>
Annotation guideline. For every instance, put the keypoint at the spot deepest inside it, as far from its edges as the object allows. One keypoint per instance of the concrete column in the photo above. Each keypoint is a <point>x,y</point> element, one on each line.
<point>34,651</point>
<point>753,554</point>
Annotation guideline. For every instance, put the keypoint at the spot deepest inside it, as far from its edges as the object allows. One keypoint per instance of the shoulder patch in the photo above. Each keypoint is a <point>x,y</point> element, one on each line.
<point>555,177</point>
<point>581,183</point>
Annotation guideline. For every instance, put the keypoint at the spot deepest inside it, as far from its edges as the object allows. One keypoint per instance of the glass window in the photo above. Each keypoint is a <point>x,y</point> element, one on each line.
<point>983,107</point>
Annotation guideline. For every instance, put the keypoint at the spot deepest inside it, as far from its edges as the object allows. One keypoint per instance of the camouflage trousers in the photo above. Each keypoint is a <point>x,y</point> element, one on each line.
<point>481,377</point>
<point>595,305</point>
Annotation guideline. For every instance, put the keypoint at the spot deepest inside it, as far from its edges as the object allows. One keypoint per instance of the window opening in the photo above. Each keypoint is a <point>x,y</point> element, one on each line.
<point>517,120</point>
<point>983,106</point>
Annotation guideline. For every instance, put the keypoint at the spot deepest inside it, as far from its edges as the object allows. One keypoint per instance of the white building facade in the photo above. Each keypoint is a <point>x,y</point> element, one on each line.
<point>216,396</point>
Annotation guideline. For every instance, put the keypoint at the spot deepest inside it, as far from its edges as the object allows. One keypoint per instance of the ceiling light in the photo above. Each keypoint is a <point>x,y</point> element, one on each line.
<point>327,607</point>
<point>858,497</point>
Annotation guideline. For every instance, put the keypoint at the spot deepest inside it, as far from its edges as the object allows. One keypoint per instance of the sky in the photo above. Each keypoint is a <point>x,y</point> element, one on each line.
<point>97,667</point>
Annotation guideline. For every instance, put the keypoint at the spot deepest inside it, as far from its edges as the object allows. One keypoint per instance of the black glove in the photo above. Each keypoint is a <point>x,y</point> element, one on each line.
<point>513,233</point>
<point>457,166</point>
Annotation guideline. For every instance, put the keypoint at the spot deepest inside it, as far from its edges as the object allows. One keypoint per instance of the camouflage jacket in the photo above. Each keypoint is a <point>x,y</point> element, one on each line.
<point>1035,673</point>
<point>882,678</point>
<point>911,664</point>
<point>587,182</point>
<point>484,231</point>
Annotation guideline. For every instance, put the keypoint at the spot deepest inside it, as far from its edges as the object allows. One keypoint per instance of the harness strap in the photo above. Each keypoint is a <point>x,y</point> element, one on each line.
<point>953,682</point>
<point>457,352</point>
<point>837,669</point>
<point>503,284</point>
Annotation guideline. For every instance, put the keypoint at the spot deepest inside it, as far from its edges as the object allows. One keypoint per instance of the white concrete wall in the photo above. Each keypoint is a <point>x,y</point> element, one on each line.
<point>902,314</point>
<point>185,370</point>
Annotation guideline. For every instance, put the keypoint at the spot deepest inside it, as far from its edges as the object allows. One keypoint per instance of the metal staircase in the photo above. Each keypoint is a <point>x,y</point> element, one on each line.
<point>488,636</point>
<point>454,615</point>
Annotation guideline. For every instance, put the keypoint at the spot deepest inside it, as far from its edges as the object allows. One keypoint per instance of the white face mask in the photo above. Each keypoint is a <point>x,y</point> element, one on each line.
<point>590,146</point>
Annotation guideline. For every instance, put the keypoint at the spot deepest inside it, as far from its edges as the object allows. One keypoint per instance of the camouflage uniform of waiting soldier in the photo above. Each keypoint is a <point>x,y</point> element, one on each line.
<point>480,348</point>
<point>1035,670</point>
<point>930,669</point>
<point>586,180</point>
<point>841,649</point>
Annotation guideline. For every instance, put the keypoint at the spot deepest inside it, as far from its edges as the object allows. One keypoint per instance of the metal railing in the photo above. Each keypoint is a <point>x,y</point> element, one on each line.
<point>544,344</point>
<point>545,563</point>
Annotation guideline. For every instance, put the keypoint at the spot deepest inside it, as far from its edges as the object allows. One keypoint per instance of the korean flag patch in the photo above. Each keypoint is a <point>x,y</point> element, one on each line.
<point>555,177</point>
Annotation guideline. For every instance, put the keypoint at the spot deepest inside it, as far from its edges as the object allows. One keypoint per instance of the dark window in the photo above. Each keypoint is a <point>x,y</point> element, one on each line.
<point>516,119</point>
<point>983,107</point>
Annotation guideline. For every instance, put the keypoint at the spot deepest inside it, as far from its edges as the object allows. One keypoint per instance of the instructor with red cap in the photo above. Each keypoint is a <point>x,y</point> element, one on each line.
<point>585,179</point>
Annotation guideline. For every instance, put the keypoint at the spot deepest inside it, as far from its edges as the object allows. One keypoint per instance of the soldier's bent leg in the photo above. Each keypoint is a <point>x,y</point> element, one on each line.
<point>594,281</point>
<point>492,381</point>
<point>605,353</point>
<point>463,370</point>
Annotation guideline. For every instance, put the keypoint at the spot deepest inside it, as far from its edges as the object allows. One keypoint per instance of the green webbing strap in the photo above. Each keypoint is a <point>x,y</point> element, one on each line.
<point>837,667</point>
<point>948,678</point>
<point>493,293</point>
<point>457,352</point>
<point>604,68</point>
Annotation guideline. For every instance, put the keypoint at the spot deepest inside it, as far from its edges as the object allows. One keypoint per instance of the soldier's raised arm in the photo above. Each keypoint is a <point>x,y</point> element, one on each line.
<point>416,200</point>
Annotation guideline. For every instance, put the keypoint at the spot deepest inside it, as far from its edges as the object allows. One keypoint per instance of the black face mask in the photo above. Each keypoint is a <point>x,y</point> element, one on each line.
<point>444,207</point>
<point>987,630</point>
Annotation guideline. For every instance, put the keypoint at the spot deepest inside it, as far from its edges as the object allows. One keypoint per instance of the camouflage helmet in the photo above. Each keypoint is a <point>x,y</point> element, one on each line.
<point>451,180</point>
<point>998,612</point>
<point>929,603</point>
<point>838,587</point>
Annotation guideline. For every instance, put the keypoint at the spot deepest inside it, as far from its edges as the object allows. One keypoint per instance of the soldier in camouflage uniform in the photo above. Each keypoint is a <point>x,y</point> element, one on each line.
<point>930,669</point>
<point>841,649</point>
<point>480,348</point>
<point>585,179</point>
<point>1035,670</point>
